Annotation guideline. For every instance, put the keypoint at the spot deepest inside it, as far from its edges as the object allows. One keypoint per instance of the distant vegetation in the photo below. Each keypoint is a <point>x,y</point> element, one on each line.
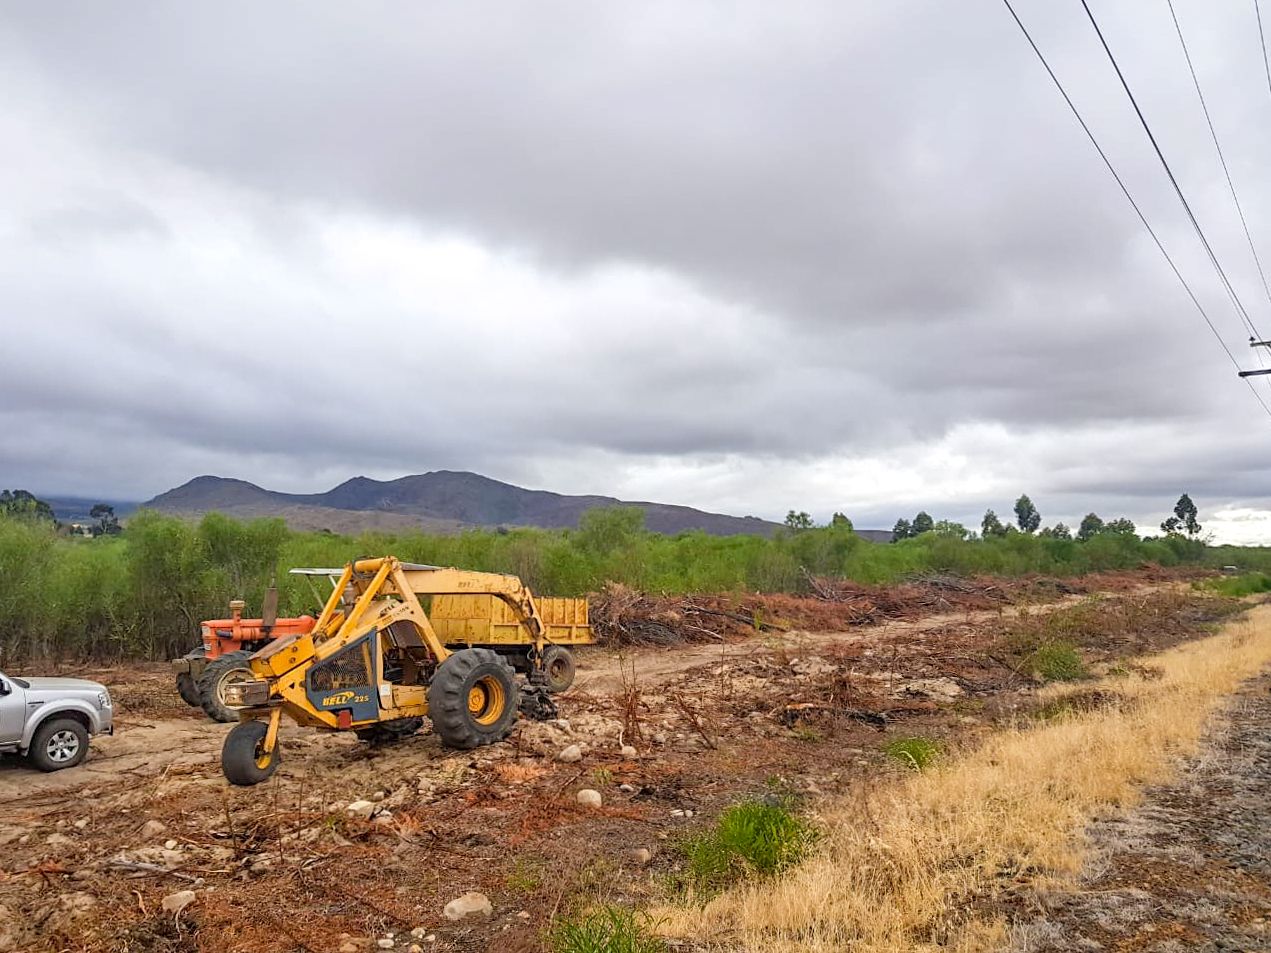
<point>142,592</point>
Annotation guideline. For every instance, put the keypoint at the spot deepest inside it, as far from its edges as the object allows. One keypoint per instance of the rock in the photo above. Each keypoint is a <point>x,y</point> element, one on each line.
<point>385,944</point>
<point>379,795</point>
<point>171,845</point>
<point>383,818</point>
<point>562,724</point>
<point>469,905</point>
<point>640,855</point>
<point>81,823</point>
<point>629,752</point>
<point>362,809</point>
<point>677,812</point>
<point>153,828</point>
<point>174,903</point>
<point>627,788</point>
<point>414,948</point>
<point>659,738</point>
<point>348,946</point>
<point>418,933</point>
<point>588,797</point>
<point>58,840</point>
<point>523,915</point>
<point>937,689</point>
<point>571,754</point>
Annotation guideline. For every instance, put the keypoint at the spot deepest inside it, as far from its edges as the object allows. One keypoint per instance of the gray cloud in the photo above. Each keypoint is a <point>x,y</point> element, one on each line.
<point>607,247</point>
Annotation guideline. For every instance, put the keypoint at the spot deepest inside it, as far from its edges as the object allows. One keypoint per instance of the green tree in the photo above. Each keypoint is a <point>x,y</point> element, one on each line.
<point>1185,512</point>
<point>1090,527</point>
<point>991,525</point>
<point>840,521</point>
<point>24,503</point>
<point>605,529</point>
<point>950,530</point>
<point>902,530</point>
<point>1058,531</point>
<point>923,523</point>
<point>798,521</point>
<point>1026,515</point>
<point>1122,525</point>
<point>107,523</point>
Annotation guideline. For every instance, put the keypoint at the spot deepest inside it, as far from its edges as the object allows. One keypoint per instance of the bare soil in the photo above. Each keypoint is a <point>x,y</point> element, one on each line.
<point>1190,867</point>
<point>283,866</point>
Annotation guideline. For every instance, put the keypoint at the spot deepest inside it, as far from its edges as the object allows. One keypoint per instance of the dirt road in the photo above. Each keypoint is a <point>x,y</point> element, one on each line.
<point>1190,868</point>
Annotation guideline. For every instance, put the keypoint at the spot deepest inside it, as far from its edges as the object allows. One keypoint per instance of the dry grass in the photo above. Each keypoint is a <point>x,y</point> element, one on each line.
<point>899,867</point>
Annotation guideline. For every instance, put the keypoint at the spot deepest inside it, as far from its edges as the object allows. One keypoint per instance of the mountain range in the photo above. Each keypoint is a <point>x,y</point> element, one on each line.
<point>441,501</point>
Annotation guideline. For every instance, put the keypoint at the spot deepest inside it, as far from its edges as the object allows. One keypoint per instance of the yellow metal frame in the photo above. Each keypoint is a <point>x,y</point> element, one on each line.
<point>385,592</point>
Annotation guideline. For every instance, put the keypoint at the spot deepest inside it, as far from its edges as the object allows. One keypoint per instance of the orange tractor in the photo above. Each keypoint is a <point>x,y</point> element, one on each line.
<point>223,658</point>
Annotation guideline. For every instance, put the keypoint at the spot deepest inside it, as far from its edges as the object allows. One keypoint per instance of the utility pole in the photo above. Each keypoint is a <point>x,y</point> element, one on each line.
<point>1265,370</point>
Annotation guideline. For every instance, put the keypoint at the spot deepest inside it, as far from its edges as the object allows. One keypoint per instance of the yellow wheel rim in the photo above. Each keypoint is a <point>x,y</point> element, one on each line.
<point>486,700</point>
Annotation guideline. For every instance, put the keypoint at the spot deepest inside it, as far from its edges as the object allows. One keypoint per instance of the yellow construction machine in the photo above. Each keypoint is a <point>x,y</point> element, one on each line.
<point>376,662</point>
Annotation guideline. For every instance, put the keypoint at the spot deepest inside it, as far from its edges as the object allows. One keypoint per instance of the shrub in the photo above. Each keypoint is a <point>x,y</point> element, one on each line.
<point>916,753</point>
<point>1237,587</point>
<point>1058,662</point>
<point>751,838</point>
<point>609,929</point>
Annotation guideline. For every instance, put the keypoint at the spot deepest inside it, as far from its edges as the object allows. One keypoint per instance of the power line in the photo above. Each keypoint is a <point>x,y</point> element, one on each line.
<point>1221,158</point>
<point>1263,37</point>
<point>1133,204</point>
<point>1200,233</point>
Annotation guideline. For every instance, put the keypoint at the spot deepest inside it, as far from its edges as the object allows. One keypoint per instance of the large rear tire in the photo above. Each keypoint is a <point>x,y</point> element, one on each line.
<point>230,667</point>
<point>472,699</point>
<point>187,684</point>
<point>558,669</point>
<point>242,760</point>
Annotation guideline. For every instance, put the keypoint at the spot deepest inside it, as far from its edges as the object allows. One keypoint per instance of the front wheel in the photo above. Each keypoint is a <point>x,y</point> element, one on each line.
<point>243,759</point>
<point>188,685</point>
<point>472,699</point>
<point>219,673</point>
<point>58,743</point>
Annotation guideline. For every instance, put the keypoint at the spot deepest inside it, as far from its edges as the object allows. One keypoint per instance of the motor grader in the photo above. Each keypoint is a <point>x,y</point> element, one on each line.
<point>375,663</point>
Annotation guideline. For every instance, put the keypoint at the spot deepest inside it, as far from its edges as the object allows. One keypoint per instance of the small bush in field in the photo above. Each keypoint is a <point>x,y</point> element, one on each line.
<point>1058,662</point>
<point>916,753</point>
<point>758,838</point>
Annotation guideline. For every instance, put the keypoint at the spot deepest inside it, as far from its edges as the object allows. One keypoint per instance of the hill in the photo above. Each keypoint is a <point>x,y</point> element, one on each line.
<point>441,501</point>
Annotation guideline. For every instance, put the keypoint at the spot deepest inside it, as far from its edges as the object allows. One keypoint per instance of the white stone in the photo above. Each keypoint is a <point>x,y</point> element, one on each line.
<point>641,855</point>
<point>153,828</point>
<point>419,933</point>
<point>470,904</point>
<point>571,754</point>
<point>171,845</point>
<point>385,944</point>
<point>174,903</point>
<point>629,752</point>
<point>363,809</point>
<point>627,788</point>
<point>588,797</point>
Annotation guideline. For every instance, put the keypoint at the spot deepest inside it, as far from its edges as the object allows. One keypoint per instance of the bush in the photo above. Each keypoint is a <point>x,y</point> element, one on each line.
<point>1237,587</point>
<point>608,929</point>
<point>756,838</point>
<point>1058,662</point>
<point>916,753</point>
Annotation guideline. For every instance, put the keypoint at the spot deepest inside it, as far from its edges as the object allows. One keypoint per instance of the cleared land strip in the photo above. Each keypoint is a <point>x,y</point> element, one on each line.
<point>924,865</point>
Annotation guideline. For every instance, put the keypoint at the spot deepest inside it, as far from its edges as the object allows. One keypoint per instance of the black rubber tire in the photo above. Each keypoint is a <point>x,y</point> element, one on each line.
<point>58,732</point>
<point>558,669</point>
<point>187,684</point>
<point>211,680</point>
<point>448,695</point>
<point>389,731</point>
<point>240,752</point>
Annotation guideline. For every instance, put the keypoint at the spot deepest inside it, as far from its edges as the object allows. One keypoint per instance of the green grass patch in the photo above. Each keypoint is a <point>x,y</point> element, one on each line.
<point>1058,662</point>
<point>1237,587</point>
<point>609,929</point>
<point>753,838</point>
<point>916,753</point>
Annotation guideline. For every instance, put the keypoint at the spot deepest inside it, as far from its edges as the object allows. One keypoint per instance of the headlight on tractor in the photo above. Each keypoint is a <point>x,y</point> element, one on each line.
<point>247,694</point>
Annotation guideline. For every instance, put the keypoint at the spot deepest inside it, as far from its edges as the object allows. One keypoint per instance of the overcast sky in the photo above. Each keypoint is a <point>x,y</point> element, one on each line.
<point>743,256</point>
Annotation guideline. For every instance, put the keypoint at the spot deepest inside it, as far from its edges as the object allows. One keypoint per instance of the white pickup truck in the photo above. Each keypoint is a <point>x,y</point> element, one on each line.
<point>49,720</point>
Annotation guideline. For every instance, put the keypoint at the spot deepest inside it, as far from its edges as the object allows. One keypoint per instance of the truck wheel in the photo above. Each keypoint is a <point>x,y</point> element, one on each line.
<point>388,731</point>
<point>242,761</point>
<point>472,700</point>
<point>558,668</point>
<point>58,743</point>
<point>230,667</point>
<point>187,684</point>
